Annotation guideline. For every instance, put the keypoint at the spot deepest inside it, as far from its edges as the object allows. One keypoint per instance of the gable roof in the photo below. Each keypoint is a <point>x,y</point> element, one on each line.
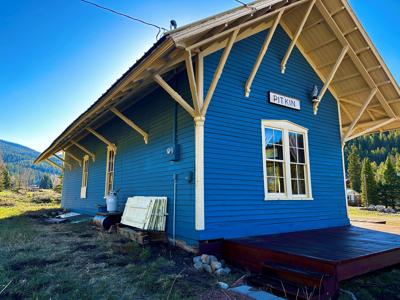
<point>330,26</point>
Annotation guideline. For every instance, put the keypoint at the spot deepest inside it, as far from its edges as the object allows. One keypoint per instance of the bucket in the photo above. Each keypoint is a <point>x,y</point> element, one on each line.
<point>112,202</point>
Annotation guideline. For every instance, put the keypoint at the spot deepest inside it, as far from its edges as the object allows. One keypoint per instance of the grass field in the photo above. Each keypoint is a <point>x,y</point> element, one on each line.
<point>357,214</point>
<point>77,261</point>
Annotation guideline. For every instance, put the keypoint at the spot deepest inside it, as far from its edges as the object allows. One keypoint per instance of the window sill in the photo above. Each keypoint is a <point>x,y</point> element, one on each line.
<point>288,199</point>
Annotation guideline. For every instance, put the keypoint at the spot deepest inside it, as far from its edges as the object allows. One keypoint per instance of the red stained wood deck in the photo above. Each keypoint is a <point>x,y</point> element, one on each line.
<point>338,253</point>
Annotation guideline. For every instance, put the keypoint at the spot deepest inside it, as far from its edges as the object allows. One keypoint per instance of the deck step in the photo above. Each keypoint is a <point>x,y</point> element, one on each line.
<point>285,288</point>
<point>295,274</point>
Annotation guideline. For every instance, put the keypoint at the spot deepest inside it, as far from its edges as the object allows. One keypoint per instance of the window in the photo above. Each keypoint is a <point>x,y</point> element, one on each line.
<point>286,162</point>
<point>85,172</point>
<point>110,170</point>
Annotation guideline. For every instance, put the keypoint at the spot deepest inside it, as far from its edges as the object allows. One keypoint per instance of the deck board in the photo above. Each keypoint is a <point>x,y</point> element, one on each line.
<point>344,252</point>
<point>333,244</point>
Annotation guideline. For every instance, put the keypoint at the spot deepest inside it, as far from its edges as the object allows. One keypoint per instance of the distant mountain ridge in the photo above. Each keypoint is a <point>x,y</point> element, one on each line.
<point>18,160</point>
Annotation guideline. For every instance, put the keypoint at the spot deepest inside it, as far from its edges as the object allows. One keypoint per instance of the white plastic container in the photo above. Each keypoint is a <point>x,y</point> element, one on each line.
<point>112,202</point>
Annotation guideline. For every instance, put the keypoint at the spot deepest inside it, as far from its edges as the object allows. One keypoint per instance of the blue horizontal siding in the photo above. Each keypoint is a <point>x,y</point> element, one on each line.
<point>141,169</point>
<point>234,186</point>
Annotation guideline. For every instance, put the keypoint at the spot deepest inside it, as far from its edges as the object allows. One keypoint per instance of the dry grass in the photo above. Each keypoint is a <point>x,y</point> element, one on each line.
<point>356,213</point>
<point>77,261</point>
<point>15,203</point>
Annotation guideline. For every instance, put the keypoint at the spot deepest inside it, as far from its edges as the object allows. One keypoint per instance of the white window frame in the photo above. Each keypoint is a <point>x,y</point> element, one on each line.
<point>85,175</point>
<point>286,126</point>
<point>110,170</point>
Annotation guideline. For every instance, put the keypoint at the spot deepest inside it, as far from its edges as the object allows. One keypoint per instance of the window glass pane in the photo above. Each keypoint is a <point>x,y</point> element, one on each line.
<point>295,190</point>
<point>302,187</point>
<point>277,137</point>
<point>292,139</point>
<point>301,156</point>
<point>270,168</point>
<point>300,171</point>
<point>278,152</point>
<point>293,154</point>
<point>300,141</point>
<point>279,169</point>
<point>293,172</point>
<point>268,136</point>
<point>271,185</point>
<point>282,184</point>
<point>269,152</point>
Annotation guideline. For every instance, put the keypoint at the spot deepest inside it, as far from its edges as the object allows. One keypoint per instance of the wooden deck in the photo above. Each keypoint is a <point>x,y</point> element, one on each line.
<point>334,254</point>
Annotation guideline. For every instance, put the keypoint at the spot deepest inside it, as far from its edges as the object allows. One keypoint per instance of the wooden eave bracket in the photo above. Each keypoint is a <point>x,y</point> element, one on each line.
<point>359,114</point>
<point>296,37</point>
<point>329,79</point>
<point>378,124</point>
<point>53,164</point>
<point>174,95</point>
<point>131,124</point>
<point>63,161</point>
<point>262,53</point>
<point>73,157</point>
<point>218,71</point>
<point>101,138</point>
<point>84,149</point>
<point>355,59</point>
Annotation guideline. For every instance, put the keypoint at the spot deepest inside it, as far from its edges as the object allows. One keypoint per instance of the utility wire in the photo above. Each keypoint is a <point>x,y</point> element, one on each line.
<point>160,29</point>
<point>245,4</point>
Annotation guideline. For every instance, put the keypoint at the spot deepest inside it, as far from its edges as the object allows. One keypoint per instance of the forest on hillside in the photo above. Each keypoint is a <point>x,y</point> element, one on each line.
<point>373,167</point>
<point>17,161</point>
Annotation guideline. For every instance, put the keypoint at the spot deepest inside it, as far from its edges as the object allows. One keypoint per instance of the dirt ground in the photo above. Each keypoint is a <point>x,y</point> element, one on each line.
<point>78,261</point>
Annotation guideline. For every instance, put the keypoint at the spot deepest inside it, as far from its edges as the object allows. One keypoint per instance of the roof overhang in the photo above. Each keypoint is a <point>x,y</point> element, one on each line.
<point>330,27</point>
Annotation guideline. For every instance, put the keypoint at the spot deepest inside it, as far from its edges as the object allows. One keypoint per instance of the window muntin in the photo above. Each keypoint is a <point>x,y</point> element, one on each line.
<point>110,170</point>
<point>286,162</point>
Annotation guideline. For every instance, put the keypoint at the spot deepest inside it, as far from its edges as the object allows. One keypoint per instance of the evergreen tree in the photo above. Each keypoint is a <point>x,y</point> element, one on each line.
<point>369,191</point>
<point>354,169</point>
<point>390,183</point>
<point>6,179</point>
<point>45,182</point>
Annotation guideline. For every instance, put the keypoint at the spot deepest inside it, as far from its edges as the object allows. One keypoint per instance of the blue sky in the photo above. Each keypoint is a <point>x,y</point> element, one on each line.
<point>57,57</point>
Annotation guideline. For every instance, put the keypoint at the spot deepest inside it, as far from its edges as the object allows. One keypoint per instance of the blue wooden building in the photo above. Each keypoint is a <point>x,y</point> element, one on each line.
<point>245,113</point>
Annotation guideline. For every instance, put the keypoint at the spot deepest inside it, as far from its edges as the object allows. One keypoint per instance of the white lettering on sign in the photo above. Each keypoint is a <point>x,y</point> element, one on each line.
<point>284,101</point>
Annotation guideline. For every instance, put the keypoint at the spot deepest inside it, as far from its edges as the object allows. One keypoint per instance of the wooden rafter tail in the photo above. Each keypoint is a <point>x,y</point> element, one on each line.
<point>359,114</point>
<point>296,36</point>
<point>262,53</point>
<point>84,149</point>
<point>330,78</point>
<point>218,72</point>
<point>174,95</point>
<point>53,164</point>
<point>131,124</point>
<point>101,138</point>
<point>73,157</point>
<point>192,81</point>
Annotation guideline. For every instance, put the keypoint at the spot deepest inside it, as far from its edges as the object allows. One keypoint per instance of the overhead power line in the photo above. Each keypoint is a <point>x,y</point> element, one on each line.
<point>245,4</point>
<point>160,29</point>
